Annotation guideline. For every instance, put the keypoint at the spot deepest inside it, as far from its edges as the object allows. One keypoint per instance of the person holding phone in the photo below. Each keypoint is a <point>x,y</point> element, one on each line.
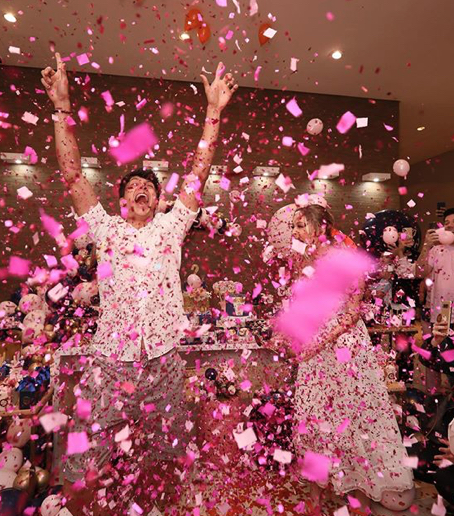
<point>436,262</point>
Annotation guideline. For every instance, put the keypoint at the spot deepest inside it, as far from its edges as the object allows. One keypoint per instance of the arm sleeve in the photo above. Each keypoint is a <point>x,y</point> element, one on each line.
<point>179,219</point>
<point>451,436</point>
<point>98,222</point>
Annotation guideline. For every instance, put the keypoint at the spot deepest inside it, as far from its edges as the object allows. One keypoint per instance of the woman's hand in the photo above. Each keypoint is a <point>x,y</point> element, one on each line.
<point>56,84</point>
<point>220,91</point>
<point>445,453</point>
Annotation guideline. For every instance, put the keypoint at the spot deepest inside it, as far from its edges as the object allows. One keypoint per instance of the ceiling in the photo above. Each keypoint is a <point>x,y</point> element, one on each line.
<point>393,49</point>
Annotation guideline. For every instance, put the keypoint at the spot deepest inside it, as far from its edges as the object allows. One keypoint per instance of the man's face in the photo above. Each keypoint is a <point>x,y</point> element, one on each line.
<point>140,198</point>
<point>449,223</point>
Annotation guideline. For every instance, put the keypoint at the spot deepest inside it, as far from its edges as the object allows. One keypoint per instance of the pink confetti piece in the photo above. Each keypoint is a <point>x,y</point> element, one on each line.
<point>353,502</point>
<point>257,290</point>
<point>343,426</point>
<point>267,410</point>
<point>343,511</point>
<point>83,408</point>
<point>52,227</point>
<point>245,385</point>
<point>172,183</point>
<point>448,356</point>
<point>410,462</point>
<point>293,108</point>
<point>257,73</point>
<point>304,151</point>
<point>315,467</point>
<point>423,352</point>
<point>141,104</point>
<point>402,190</point>
<point>253,7</point>
<point>53,421</point>
<point>83,114</point>
<point>225,183</point>
<point>70,262</point>
<point>346,122</point>
<point>30,151</point>
<point>221,3</point>
<point>104,270</point>
<point>77,443</point>
<point>18,266</point>
<point>24,193</point>
<point>329,16</point>
<point>82,59</point>
<point>30,118</point>
<point>108,99</point>
<point>388,127</point>
<point>284,183</point>
<point>50,260</point>
<point>316,299</point>
<point>329,171</point>
<point>135,144</point>
<point>287,141</point>
<point>343,355</point>
<point>82,229</point>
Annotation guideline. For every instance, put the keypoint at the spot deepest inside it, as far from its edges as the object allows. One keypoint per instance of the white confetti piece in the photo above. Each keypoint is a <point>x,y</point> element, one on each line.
<point>52,421</point>
<point>411,203</point>
<point>294,64</point>
<point>14,50</point>
<point>270,33</point>
<point>24,193</point>
<point>282,456</point>
<point>122,435</point>
<point>362,122</point>
<point>284,183</point>
<point>298,246</point>
<point>246,438</point>
<point>30,118</point>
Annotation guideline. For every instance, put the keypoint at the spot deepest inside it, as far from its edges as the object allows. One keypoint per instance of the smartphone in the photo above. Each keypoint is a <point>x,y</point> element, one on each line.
<point>445,314</point>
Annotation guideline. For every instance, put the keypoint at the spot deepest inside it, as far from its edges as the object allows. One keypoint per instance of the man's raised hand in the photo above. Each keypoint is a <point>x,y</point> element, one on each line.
<point>220,91</point>
<point>56,83</point>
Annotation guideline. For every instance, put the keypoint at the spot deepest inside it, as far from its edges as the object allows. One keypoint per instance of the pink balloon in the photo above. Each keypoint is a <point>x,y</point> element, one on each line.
<point>401,167</point>
<point>390,235</point>
<point>445,237</point>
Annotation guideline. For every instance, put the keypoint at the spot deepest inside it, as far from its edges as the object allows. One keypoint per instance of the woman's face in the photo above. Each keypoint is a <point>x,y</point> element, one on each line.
<point>302,230</point>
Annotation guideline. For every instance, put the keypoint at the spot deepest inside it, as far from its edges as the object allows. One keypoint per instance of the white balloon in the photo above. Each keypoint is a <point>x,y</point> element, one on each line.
<point>51,505</point>
<point>8,307</point>
<point>11,459</point>
<point>444,236</point>
<point>19,432</point>
<point>6,478</point>
<point>314,126</point>
<point>29,303</point>
<point>401,167</point>
<point>390,235</point>
<point>194,281</point>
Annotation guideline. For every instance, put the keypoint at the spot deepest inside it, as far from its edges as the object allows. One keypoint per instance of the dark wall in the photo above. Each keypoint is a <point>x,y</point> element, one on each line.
<point>434,178</point>
<point>253,127</point>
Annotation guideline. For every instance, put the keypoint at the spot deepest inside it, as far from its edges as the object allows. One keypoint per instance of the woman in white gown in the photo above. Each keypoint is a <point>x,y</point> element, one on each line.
<point>344,406</point>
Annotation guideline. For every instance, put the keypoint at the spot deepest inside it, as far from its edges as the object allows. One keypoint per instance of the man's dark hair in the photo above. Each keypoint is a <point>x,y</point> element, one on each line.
<point>149,175</point>
<point>449,211</point>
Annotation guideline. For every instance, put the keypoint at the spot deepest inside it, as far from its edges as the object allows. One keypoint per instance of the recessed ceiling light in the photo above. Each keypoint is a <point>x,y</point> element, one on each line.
<point>19,161</point>
<point>376,180</point>
<point>10,17</point>
<point>184,36</point>
<point>420,128</point>
<point>85,165</point>
<point>337,54</point>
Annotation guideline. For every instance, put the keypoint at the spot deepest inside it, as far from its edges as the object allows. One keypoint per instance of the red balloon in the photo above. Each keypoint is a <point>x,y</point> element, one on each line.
<point>193,19</point>
<point>204,33</point>
<point>262,38</point>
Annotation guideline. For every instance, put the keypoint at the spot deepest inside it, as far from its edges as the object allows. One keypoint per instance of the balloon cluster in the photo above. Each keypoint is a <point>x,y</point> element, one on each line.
<point>194,20</point>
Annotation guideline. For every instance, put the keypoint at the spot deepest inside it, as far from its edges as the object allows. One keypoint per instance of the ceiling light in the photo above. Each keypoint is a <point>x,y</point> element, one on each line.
<point>14,157</point>
<point>266,171</point>
<point>10,17</point>
<point>218,170</point>
<point>376,177</point>
<point>89,162</point>
<point>420,128</point>
<point>184,36</point>
<point>337,54</point>
<point>155,165</point>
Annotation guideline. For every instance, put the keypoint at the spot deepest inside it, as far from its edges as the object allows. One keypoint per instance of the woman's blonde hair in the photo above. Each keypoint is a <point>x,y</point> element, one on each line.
<point>318,217</point>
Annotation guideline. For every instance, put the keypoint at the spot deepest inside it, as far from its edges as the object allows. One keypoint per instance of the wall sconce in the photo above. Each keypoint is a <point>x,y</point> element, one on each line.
<point>266,171</point>
<point>155,165</point>
<point>14,157</point>
<point>88,162</point>
<point>376,177</point>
